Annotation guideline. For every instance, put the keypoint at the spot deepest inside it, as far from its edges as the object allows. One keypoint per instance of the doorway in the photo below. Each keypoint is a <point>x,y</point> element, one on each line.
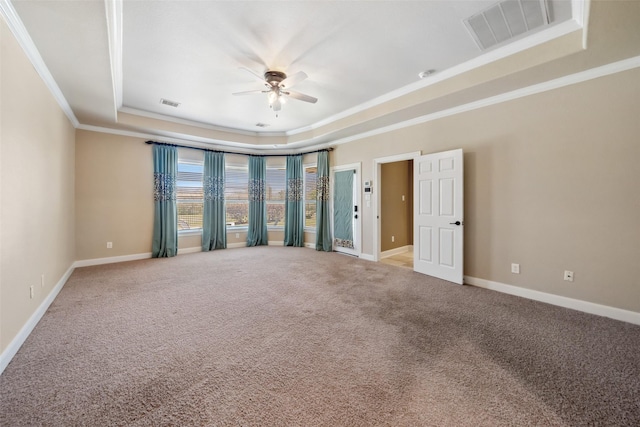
<point>396,213</point>
<point>382,216</point>
<point>345,202</point>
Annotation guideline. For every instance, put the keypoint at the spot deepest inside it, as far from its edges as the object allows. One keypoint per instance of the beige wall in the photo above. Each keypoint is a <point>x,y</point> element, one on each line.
<point>114,195</point>
<point>551,183</point>
<point>396,214</point>
<point>114,198</point>
<point>37,189</point>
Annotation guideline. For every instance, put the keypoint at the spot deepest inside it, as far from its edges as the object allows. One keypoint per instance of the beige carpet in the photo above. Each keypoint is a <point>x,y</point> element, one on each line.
<point>274,336</point>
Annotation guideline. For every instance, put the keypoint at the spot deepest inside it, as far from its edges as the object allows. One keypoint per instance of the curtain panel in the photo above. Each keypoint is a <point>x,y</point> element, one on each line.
<point>214,225</point>
<point>294,204</point>
<point>165,222</point>
<point>257,232</point>
<point>323,221</point>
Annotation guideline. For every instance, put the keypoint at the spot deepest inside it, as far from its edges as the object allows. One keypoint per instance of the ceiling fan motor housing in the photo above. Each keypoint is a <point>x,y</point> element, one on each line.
<point>274,77</point>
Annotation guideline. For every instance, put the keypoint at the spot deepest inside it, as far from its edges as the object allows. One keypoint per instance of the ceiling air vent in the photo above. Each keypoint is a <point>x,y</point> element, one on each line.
<point>506,20</point>
<point>169,103</point>
<point>262,125</point>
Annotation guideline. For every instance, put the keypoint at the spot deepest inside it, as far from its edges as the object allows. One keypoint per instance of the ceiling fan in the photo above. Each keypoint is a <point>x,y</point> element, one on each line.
<point>278,85</point>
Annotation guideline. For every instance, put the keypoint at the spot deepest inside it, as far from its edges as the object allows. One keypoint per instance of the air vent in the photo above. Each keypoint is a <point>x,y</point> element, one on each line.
<point>506,20</point>
<point>169,103</point>
<point>262,125</point>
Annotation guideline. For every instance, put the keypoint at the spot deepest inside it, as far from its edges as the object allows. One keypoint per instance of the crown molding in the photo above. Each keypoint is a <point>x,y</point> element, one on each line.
<point>19,31</point>
<point>580,77</point>
<point>113,11</point>
<point>319,142</point>
<point>200,125</point>
<point>553,32</point>
<point>209,143</point>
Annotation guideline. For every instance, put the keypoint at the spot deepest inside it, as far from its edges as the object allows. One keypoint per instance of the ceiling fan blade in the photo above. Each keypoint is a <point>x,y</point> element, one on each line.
<point>254,74</point>
<point>291,81</point>
<point>277,105</point>
<point>301,96</point>
<point>249,92</point>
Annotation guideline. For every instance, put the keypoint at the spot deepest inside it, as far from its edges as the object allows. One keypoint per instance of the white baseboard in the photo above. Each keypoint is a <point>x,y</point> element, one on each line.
<point>189,250</point>
<point>236,245</point>
<point>574,304</point>
<point>396,251</point>
<point>309,245</point>
<point>110,260</point>
<point>20,338</point>
<point>366,257</point>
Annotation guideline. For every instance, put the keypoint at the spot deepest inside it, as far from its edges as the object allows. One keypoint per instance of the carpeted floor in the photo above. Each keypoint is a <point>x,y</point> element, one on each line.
<point>273,336</point>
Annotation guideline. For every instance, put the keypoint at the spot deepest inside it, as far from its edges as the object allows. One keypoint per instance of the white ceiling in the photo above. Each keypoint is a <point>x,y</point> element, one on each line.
<point>125,56</point>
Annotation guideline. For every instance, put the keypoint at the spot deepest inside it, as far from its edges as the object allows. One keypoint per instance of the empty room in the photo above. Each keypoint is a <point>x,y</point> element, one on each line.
<point>320,213</point>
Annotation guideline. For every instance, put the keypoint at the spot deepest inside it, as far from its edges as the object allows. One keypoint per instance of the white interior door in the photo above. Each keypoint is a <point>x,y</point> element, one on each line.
<point>345,218</point>
<point>438,222</point>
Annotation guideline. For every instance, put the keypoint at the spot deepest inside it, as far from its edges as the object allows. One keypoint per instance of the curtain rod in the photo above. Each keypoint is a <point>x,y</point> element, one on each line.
<point>241,154</point>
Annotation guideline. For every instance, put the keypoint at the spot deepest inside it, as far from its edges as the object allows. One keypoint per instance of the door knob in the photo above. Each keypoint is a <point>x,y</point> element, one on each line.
<point>455,223</point>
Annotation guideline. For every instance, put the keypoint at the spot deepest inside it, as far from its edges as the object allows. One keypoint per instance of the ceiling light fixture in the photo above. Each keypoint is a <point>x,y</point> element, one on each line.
<point>278,88</point>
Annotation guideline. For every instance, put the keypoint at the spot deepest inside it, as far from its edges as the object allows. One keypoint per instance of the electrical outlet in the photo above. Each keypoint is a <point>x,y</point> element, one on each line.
<point>568,276</point>
<point>515,268</point>
<point>42,280</point>
<point>393,239</point>
<point>403,197</point>
<point>31,292</point>
<point>109,245</point>
<point>237,235</point>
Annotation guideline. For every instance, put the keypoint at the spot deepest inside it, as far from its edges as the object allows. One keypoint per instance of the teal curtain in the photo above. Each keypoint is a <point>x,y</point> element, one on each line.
<point>214,225</point>
<point>165,221</point>
<point>323,223</point>
<point>343,209</point>
<point>257,233</point>
<point>294,204</point>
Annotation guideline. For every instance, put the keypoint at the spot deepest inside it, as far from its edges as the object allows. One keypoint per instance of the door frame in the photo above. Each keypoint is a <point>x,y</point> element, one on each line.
<point>357,182</point>
<point>377,200</point>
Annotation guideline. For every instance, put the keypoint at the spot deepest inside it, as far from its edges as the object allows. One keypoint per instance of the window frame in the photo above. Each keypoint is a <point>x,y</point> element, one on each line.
<point>192,162</point>
<point>276,202</point>
<point>243,201</point>
<point>308,229</point>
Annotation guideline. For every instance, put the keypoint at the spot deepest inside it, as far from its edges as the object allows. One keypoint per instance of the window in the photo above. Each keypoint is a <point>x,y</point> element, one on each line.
<point>189,195</point>
<point>310,177</point>
<point>275,195</point>
<point>236,193</point>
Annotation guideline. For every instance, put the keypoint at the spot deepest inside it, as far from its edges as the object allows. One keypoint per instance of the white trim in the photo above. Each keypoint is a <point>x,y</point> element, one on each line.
<point>192,250</point>
<point>580,13</point>
<point>309,245</point>
<point>177,120</point>
<point>574,304</point>
<point>568,80</point>
<point>189,232</point>
<point>110,260</point>
<point>536,39</point>
<point>396,251</point>
<point>367,257</point>
<point>236,245</point>
<point>28,46</point>
<point>190,141</point>
<point>580,77</point>
<point>25,331</point>
<point>375,193</point>
<point>114,15</point>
